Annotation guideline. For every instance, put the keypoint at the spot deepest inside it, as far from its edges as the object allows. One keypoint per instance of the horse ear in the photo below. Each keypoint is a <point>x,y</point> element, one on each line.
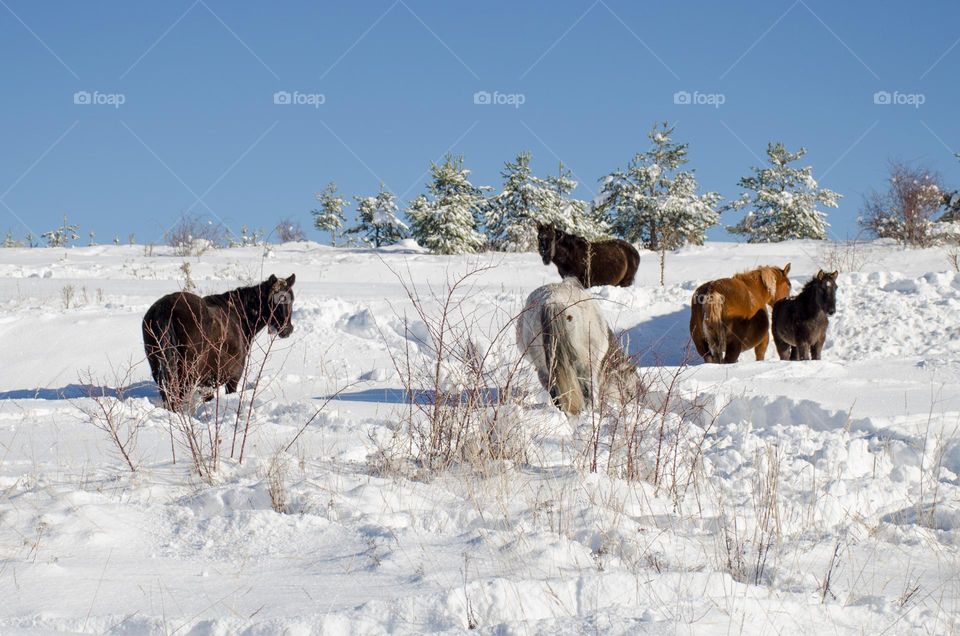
<point>833,275</point>
<point>786,269</point>
<point>272,279</point>
<point>291,280</point>
<point>820,275</point>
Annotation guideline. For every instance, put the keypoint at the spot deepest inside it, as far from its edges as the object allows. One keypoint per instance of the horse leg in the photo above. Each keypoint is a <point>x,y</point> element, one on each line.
<point>760,351</point>
<point>794,353</point>
<point>816,348</point>
<point>783,348</point>
<point>804,350</point>
<point>734,347</point>
<point>546,383</point>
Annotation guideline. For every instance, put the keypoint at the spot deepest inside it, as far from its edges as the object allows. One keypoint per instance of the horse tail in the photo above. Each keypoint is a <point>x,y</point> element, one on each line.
<point>162,348</point>
<point>560,356</point>
<point>632,258</point>
<point>714,330</point>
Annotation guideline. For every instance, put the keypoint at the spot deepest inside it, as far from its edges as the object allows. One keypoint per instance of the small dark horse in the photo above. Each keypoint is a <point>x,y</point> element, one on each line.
<point>612,262</point>
<point>800,323</point>
<point>202,343</point>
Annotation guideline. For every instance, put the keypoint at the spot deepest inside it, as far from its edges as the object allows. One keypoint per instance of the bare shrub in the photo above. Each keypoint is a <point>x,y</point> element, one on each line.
<point>905,211</point>
<point>276,478</point>
<point>953,257</point>
<point>827,580</point>
<point>843,256</point>
<point>649,431</point>
<point>188,284</point>
<point>112,414</point>
<point>463,400</point>
<point>748,543</point>
<point>289,231</point>
<point>67,293</point>
<point>193,235</point>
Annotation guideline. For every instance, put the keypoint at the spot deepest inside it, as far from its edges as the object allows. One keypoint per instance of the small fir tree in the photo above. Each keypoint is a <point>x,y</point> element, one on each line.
<point>329,217</point>
<point>783,200</point>
<point>377,221</point>
<point>446,221</point>
<point>654,202</point>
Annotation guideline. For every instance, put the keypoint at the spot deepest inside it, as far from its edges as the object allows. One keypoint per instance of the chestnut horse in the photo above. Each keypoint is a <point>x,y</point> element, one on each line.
<point>202,343</point>
<point>729,315</point>
<point>611,262</point>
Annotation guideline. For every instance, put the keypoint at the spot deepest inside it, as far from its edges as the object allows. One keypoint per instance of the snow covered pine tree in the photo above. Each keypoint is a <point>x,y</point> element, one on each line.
<point>377,220</point>
<point>512,215</point>
<point>329,216</point>
<point>783,200</point>
<point>655,203</point>
<point>446,221</point>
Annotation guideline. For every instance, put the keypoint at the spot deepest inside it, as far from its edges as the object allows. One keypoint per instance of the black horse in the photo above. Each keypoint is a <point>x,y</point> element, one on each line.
<point>202,343</point>
<point>611,262</point>
<point>800,323</point>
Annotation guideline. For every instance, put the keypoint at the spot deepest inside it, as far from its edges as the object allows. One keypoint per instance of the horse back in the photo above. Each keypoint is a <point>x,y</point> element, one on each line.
<point>739,299</point>
<point>614,262</point>
<point>187,318</point>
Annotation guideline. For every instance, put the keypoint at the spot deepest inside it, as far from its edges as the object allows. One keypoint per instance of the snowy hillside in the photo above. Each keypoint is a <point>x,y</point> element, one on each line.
<point>766,497</point>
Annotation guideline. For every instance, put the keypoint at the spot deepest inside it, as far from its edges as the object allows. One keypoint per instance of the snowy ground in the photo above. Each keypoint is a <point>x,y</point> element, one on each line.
<point>844,470</point>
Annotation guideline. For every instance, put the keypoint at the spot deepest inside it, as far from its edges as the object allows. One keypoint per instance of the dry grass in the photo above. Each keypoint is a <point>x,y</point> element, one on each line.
<point>112,414</point>
<point>464,400</point>
<point>843,256</point>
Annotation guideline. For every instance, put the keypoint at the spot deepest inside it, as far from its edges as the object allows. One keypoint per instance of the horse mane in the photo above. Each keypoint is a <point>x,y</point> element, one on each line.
<point>244,302</point>
<point>808,287</point>
<point>752,273</point>
<point>578,240</point>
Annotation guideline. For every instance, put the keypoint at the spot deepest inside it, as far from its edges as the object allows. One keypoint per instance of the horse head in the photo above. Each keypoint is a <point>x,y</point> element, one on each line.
<point>279,305</point>
<point>826,288</point>
<point>546,242</point>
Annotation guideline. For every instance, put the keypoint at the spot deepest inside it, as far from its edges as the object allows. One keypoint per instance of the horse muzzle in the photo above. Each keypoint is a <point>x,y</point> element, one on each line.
<point>283,332</point>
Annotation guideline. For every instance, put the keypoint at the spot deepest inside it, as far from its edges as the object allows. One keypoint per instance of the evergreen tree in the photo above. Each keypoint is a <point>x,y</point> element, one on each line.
<point>446,221</point>
<point>783,200</point>
<point>329,216</point>
<point>377,222</point>
<point>654,202</point>
<point>951,205</point>
<point>511,215</point>
<point>573,216</point>
<point>63,236</point>
<point>9,241</point>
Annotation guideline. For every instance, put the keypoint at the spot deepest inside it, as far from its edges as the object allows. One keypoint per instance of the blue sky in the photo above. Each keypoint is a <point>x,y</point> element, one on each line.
<point>198,129</point>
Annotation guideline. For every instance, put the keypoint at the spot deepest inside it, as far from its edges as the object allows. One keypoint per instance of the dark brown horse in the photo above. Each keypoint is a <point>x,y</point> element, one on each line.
<point>800,323</point>
<point>729,315</point>
<point>202,343</point>
<point>612,262</point>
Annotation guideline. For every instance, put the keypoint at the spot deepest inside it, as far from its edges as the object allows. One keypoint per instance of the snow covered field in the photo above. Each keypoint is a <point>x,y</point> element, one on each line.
<point>817,497</point>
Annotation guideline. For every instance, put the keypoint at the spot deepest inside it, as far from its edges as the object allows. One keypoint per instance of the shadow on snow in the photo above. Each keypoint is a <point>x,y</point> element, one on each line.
<point>77,391</point>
